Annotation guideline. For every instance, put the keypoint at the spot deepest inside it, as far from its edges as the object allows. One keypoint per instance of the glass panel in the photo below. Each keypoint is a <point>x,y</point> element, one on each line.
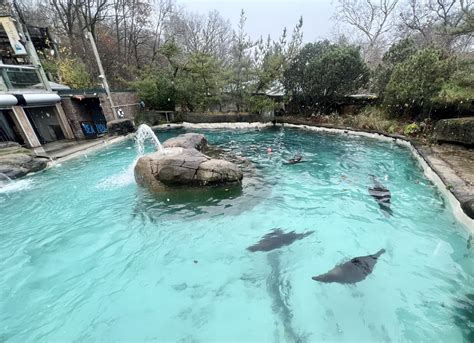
<point>23,78</point>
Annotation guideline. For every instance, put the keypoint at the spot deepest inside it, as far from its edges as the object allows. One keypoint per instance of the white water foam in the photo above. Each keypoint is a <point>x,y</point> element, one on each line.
<point>122,179</point>
<point>144,132</point>
<point>127,177</point>
<point>15,186</point>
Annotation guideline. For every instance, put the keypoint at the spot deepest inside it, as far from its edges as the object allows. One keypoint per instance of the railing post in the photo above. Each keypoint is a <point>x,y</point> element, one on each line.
<point>63,122</point>
<point>26,129</point>
<point>6,79</point>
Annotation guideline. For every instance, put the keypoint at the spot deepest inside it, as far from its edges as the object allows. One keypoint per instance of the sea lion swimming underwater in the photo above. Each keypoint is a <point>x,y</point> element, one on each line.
<point>295,159</point>
<point>277,239</point>
<point>382,195</point>
<point>352,271</point>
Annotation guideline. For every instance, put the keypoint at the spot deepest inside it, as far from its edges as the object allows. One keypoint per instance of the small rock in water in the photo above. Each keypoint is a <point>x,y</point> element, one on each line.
<point>195,261</point>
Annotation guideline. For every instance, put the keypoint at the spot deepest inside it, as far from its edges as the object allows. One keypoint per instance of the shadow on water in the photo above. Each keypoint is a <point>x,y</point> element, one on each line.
<point>279,291</point>
<point>201,202</point>
<point>464,316</point>
<point>190,201</point>
<point>277,239</point>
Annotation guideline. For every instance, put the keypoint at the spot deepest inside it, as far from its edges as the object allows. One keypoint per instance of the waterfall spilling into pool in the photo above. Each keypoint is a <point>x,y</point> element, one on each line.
<point>125,177</point>
<point>144,133</point>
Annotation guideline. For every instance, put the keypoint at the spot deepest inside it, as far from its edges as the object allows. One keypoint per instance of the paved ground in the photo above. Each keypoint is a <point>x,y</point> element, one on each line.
<point>69,148</point>
<point>460,159</point>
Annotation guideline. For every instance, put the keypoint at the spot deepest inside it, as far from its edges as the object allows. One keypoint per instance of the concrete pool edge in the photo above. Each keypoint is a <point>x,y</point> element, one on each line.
<point>81,150</point>
<point>435,169</point>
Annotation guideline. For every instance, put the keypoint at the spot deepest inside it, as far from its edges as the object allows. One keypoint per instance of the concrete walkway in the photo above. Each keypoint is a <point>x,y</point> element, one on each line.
<point>455,166</point>
<point>65,149</point>
<point>459,158</point>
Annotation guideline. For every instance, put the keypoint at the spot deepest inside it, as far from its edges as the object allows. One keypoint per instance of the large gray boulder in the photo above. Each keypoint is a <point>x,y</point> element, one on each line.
<point>183,166</point>
<point>457,130</point>
<point>218,171</point>
<point>187,141</point>
<point>16,161</point>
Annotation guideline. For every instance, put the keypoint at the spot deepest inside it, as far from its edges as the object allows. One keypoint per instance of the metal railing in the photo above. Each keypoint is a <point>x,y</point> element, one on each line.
<point>14,77</point>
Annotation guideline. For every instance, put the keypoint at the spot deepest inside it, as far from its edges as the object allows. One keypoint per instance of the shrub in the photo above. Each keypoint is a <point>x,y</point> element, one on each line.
<point>74,74</point>
<point>398,53</point>
<point>411,129</point>
<point>371,118</point>
<point>261,103</point>
<point>323,72</point>
<point>415,82</point>
<point>156,89</point>
<point>459,88</point>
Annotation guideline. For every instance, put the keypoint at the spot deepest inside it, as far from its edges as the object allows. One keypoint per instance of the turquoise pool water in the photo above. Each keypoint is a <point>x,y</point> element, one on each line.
<point>86,255</point>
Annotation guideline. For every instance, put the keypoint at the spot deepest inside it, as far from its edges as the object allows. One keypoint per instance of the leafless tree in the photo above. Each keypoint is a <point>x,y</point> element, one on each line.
<point>448,24</point>
<point>209,34</point>
<point>372,19</point>
<point>92,13</point>
<point>163,11</point>
<point>66,14</point>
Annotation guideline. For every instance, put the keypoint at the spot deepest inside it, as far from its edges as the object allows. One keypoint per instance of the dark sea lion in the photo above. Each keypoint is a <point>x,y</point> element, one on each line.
<point>352,271</point>
<point>277,239</point>
<point>382,195</point>
<point>296,159</point>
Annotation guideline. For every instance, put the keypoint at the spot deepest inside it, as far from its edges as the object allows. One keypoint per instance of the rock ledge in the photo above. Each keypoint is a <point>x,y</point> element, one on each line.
<point>182,164</point>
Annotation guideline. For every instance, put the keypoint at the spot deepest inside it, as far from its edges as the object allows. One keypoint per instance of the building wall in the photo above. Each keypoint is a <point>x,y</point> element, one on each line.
<point>46,122</point>
<point>221,118</point>
<point>120,98</point>
<point>74,113</point>
<point>77,112</point>
<point>85,110</point>
<point>6,132</point>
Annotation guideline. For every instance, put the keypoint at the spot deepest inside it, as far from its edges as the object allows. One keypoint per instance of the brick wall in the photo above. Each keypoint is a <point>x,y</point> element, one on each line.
<point>120,98</point>
<point>221,118</point>
<point>74,113</point>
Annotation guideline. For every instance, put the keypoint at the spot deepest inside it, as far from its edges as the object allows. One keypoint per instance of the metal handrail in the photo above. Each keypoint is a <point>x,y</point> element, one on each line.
<point>15,66</point>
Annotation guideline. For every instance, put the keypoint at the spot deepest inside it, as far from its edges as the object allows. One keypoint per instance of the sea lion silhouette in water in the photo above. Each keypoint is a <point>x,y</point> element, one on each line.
<point>352,271</point>
<point>382,195</point>
<point>296,159</point>
<point>277,239</point>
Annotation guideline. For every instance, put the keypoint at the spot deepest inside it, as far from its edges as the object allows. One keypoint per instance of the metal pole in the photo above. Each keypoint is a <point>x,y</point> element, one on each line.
<point>102,73</point>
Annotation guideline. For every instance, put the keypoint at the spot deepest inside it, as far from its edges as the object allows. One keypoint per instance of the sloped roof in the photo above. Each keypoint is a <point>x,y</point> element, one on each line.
<point>54,86</point>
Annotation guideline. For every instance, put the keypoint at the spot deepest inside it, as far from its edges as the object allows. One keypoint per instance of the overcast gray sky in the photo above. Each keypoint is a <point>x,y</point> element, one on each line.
<point>270,16</point>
